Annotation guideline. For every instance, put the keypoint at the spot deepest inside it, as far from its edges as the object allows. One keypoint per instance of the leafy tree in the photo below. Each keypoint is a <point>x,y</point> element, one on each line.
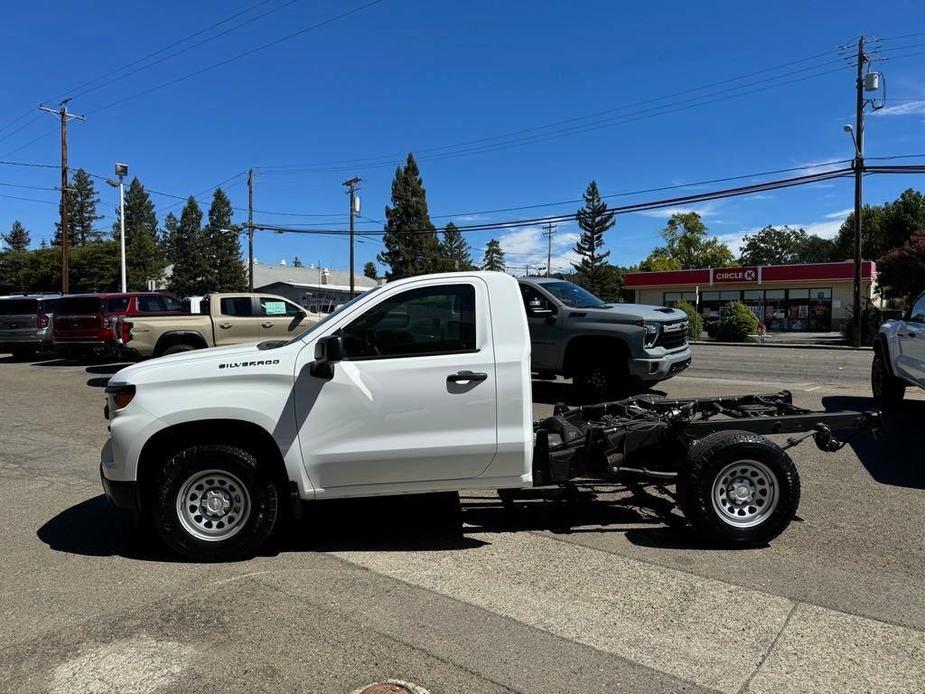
<point>81,211</point>
<point>455,249</point>
<point>784,246</point>
<point>14,273</point>
<point>884,227</point>
<point>900,271</point>
<point>688,246</point>
<point>223,247</point>
<point>19,238</point>
<point>411,245</point>
<point>596,275</point>
<point>494,257</point>
<point>296,262</point>
<point>369,270</point>
<point>143,253</point>
<point>191,270</point>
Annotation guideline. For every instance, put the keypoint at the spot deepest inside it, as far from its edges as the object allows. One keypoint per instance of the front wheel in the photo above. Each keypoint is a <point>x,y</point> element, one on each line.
<point>600,380</point>
<point>887,389</point>
<point>176,349</point>
<point>738,489</point>
<point>214,503</point>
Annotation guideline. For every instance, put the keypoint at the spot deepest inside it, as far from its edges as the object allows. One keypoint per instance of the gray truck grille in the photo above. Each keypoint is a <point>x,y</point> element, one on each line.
<point>673,335</point>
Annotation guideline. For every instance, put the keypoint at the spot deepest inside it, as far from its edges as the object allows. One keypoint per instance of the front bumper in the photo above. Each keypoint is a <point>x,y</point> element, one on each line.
<point>120,494</point>
<point>659,368</point>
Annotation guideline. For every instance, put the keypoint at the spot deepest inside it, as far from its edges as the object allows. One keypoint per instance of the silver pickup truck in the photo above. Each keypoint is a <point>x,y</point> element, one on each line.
<point>605,348</point>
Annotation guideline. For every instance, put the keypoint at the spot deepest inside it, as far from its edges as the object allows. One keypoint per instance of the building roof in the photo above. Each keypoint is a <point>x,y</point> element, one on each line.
<point>751,274</point>
<point>303,276</point>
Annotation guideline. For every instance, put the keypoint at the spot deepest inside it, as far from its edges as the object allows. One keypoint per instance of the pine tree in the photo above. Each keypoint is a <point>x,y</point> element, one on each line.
<point>143,257</point>
<point>81,211</point>
<point>369,270</point>
<point>19,238</point>
<point>191,270</point>
<point>494,257</point>
<point>592,271</point>
<point>297,262</point>
<point>171,223</point>
<point>223,247</point>
<point>455,249</point>
<point>411,245</point>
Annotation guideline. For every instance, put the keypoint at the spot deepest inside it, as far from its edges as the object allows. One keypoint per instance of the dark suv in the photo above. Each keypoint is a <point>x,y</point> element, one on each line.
<point>84,323</point>
<point>25,324</point>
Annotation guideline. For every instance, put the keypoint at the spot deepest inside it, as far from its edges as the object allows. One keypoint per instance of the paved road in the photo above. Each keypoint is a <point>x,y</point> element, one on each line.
<point>580,597</point>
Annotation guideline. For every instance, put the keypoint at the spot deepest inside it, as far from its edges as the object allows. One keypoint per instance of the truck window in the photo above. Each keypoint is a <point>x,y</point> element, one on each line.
<point>533,299</point>
<point>117,304</point>
<point>12,307</point>
<point>271,306</point>
<point>78,306</point>
<point>157,303</point>
<point>237,306</point>
<point>425,321</point>
<point>573,296</point>
<point>917,314</point>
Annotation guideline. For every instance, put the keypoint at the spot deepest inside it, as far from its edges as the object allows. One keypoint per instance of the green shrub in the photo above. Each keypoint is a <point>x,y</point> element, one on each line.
<point>737,323</point>
<point>871,320</point>
<point>694,320</point>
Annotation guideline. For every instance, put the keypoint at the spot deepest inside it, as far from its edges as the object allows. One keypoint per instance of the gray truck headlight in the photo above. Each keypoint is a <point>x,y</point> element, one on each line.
<point>652,330</point>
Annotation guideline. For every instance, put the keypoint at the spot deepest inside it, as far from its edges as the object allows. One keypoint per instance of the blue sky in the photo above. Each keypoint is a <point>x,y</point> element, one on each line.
<point>355,95</point>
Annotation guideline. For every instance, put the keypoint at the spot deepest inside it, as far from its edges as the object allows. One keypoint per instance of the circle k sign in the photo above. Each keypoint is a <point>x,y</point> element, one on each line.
<point>736,274</point>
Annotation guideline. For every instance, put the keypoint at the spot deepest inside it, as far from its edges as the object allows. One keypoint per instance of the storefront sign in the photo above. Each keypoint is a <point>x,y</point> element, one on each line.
<point>735,274</point>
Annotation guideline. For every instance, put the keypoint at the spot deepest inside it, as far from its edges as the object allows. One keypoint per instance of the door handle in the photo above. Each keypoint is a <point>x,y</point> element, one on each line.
<point>224,325</point>
<point>266,325</point>
<point>466,376</point>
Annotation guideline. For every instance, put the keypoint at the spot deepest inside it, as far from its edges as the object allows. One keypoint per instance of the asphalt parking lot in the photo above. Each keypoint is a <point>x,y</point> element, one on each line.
<point>590,596</point>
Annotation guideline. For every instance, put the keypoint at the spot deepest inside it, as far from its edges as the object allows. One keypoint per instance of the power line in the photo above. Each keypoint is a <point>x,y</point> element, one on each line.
<point>17,197</point>
<point>27,163</point>
<point>17,185</point>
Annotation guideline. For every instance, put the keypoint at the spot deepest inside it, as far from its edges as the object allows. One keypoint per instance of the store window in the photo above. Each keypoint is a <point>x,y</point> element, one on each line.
<point>775,310</point>
<point>820,310</point>
<point>672,298</point>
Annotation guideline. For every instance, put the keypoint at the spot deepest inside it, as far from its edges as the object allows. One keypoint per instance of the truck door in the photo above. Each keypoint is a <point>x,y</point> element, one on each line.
<point>911,339</point>
<point>413,401</point>
<point>279,319</point>
<point>236,322</point>
<point>545,329</point>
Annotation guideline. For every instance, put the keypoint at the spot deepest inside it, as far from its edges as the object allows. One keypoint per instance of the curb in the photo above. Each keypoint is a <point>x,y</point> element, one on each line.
<point>791,345</point>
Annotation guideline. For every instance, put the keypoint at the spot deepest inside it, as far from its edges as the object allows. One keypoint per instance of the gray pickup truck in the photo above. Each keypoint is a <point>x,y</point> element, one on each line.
<point>605,348</point>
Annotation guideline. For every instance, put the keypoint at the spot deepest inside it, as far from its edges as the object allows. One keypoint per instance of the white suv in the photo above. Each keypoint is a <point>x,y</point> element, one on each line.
<point>899,355</point>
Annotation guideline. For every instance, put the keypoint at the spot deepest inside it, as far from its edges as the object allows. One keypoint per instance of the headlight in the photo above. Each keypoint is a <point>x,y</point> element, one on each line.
<point>120,395</point>
<point>651,333</point>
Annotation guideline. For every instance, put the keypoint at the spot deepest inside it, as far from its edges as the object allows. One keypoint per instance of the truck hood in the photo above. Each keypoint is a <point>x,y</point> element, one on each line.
<point>161,368</point>
<point>632,312</point>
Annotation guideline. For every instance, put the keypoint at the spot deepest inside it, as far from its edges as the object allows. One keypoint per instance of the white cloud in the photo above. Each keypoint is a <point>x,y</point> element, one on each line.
<point>528,245</point>
<point>817,167</point>
<point>910,108</point>
<point>709,209</point>
<point>840,214</point>
<point>824,229</point>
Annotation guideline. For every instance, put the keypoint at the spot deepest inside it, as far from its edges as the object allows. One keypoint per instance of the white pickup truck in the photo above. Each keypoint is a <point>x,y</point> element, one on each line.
<point>422,385</point>
<point>899,355</point>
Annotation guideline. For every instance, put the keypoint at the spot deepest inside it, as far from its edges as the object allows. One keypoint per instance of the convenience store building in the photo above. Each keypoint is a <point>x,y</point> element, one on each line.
<point>814,297</point>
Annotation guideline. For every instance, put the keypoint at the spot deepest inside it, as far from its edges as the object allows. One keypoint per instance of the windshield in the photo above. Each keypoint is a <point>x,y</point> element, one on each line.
<point>332,314</point>
<point>572,295</point>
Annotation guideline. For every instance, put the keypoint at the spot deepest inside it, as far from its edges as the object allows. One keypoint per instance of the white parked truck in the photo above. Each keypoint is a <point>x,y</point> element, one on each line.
<point>422,385</point>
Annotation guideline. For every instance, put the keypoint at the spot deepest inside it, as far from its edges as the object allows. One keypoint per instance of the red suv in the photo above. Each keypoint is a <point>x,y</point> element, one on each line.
<point>84,322</point>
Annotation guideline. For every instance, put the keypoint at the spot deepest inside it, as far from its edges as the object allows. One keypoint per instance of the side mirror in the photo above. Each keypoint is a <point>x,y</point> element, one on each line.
<point>328,351</point>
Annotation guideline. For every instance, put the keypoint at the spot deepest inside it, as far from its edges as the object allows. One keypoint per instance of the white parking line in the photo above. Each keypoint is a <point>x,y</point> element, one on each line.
<point>706,631</point>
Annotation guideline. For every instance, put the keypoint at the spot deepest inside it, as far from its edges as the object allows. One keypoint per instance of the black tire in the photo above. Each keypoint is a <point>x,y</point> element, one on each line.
<point>176,349</point>
<point>23,353</point>
<point>601,379</point>
<point>713,459</point>
<point>888,390</point>
<point>253,528</point>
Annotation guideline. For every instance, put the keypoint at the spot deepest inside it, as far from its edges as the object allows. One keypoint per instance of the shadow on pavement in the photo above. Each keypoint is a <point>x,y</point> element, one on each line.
<point>98,382</point>
<point>109,369</point>
<point>893,454</point>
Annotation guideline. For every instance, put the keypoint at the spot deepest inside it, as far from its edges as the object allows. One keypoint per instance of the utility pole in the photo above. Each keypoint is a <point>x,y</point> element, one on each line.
<point>63,114</point>
<point>858,191</point>
<point>250,230</point>
<point>550,229</point>
<point>352,187</point>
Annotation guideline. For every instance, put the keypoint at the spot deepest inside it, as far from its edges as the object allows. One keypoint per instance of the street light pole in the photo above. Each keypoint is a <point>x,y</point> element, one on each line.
<point>121,172</point>
<point>858,193</point>
<point>352,185</point>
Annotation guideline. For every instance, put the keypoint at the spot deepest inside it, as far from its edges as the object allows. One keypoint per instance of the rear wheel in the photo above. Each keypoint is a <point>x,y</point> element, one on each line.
<point>738,489</point>
<point>887,389</point>
<point>214,503</point>
<point>176,349</point>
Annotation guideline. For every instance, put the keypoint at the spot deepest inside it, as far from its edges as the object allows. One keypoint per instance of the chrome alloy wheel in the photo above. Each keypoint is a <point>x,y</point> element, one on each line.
<point>213,505</point>
<point>745,493</point>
